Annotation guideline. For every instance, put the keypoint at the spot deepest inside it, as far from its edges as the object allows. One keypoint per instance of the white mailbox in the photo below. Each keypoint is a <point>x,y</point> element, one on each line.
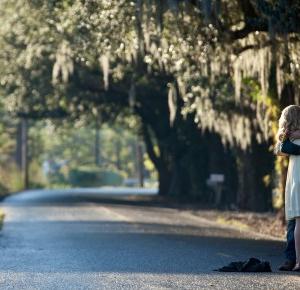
<point>215,182</point>
<point>218,178</point>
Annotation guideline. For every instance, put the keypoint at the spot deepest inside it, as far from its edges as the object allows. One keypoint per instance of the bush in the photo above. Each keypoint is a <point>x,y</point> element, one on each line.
<point>57,177</point>
<point>36,176</point>
<point>10,179</point>
<point>94,177</point>
<point>2,215</point>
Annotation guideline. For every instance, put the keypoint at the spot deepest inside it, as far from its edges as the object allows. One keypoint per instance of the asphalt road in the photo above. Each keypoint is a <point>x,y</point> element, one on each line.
<point>89,240</point>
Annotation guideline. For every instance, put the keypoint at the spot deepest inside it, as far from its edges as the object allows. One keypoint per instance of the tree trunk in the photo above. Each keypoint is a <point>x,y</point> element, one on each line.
<point>254,175</point>
<point>164,180</point>
<point>181,162</point>
<point>140,163</point>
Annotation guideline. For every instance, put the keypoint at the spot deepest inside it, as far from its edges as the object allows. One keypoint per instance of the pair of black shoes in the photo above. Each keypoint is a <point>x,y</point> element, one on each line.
<point>250,265</point>
<point>289,266</point>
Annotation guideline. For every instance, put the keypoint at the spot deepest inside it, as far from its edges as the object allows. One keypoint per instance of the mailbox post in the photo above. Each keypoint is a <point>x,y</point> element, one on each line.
<point>216,182</point>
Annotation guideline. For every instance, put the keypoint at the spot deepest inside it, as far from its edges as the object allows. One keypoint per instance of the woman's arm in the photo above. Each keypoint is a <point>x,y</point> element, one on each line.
<point>277,149</point>
<point>294,135</point>
<point>287,147</point>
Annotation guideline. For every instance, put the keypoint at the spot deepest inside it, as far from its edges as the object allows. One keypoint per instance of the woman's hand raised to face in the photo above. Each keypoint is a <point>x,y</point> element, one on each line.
<point>294,135</point>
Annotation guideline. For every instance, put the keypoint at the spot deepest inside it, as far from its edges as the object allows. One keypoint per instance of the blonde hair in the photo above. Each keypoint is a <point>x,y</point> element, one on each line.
<point>288,121</point>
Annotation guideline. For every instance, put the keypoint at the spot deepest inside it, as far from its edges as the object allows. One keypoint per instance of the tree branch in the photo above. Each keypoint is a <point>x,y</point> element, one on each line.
<point>58,113</point>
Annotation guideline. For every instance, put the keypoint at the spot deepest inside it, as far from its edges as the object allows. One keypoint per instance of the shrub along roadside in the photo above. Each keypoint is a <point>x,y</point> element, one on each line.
<point>94,177</point>
<point>2,215</point>
<point>10,180</point>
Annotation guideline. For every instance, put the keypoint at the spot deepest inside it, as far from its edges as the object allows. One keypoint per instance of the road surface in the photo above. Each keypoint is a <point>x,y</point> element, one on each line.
<point>88,240</point>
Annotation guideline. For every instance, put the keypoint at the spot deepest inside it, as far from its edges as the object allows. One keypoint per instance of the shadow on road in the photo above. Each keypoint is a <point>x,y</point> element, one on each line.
<point>131,234</point>
<point>93,246</point>
<point>69,198</point>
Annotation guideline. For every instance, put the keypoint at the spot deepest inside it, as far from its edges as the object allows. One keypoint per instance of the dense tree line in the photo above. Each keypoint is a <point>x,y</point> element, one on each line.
<point>205,79</point>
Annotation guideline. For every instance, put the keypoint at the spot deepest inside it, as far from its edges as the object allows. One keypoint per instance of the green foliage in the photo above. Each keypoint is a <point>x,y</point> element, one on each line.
<point>36,177</point>
<point>225,64</point>
<point>10,179</point>
<point>120,42</point>
<point>76,145</point>
<point>252,89</point>
<point>93,177</point>
<point>2,216</point>
<point>67,146</point>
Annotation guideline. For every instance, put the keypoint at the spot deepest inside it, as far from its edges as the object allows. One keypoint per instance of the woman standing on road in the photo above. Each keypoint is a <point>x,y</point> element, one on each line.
<point>289,123</point>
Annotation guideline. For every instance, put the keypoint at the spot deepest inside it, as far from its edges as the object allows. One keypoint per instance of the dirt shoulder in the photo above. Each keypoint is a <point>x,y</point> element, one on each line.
<point>263,223</point>
<point>268,223</point>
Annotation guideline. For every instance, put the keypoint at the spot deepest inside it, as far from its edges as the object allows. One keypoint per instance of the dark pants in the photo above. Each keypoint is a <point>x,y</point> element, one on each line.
<point>290,252</point>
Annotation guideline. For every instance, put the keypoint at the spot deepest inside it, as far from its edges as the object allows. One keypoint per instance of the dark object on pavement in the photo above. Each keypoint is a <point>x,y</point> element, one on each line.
<point>288,265</point>
<point>251,265</point>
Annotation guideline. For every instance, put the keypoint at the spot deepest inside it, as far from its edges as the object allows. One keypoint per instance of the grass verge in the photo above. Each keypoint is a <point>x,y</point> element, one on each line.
<point>2,215</point>
<point>268,223</point>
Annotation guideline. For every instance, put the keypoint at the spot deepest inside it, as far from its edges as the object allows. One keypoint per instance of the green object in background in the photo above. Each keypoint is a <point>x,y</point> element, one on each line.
<point>10,179</point>
<point>94,177</point>
<point>2,215</point>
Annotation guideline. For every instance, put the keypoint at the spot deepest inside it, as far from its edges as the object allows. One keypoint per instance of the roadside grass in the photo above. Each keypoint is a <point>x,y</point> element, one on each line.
<point>2,215</point>
<point>232,222</point>
<point>268,223</point>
